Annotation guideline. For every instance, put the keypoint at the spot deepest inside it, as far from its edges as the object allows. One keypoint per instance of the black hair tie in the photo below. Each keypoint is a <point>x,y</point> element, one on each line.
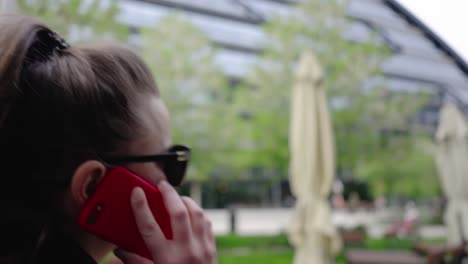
<point>46,44</point>
<point>60,43</point>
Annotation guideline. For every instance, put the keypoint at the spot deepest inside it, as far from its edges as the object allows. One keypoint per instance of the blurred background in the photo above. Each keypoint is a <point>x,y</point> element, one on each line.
<point>226,69</point>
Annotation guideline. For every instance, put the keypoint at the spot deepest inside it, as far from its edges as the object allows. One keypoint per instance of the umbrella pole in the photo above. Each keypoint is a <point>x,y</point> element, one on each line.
<point>461,227</point>
<point>458,259</point>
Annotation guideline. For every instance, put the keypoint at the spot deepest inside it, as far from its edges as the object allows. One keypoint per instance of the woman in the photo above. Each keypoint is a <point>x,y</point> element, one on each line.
<point>63,108</point>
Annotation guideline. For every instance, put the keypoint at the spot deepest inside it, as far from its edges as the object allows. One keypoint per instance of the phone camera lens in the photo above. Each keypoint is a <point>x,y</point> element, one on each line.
<point>91,220</point>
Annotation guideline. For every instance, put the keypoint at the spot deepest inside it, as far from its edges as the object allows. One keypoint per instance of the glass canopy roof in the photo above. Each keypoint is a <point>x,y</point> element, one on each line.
<point>235,26</point>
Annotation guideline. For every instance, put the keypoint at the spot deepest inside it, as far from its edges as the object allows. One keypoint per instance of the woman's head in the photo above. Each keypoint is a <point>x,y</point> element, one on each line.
<point>63,107</point>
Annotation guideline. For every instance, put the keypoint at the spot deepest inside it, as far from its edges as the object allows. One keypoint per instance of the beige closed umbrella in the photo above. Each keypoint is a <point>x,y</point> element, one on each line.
<point>312,167</point>
<point>452,162</point>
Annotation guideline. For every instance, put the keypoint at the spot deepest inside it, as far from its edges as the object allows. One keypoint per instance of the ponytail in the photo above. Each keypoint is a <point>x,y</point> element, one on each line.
<point>23,42</point>
<point>16,36</point>
<point>59,106</point>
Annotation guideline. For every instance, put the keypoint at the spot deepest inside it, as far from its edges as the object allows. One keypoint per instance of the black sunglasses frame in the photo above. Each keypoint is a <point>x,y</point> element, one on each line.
<point>175,162</point>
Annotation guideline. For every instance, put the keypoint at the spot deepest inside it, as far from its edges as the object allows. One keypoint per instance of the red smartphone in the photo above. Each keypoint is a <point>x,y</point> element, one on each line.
<point>108,213</point>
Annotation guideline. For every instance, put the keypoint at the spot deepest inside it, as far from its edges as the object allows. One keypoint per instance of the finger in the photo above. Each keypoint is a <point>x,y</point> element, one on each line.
<point>209,234</point>
<point>201,227</point>
<point>209,240</point>
<point>197,216</point>
<point>180,219</point>
<point>149,229</point>
<point>130,258</point>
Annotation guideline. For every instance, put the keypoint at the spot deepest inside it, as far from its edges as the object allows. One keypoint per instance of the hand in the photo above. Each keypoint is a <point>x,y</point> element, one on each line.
<point>193,241</point>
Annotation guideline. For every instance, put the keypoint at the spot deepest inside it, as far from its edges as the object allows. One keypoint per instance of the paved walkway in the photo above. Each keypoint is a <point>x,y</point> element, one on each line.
<point>265,221</point>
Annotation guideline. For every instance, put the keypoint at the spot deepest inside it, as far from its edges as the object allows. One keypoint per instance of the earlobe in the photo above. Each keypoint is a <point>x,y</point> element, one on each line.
<point>85,180</point>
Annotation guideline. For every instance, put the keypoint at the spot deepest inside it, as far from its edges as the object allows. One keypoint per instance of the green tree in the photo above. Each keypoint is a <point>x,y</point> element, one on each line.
<point>360,112</point>
<point>194,88</point>
<point>78,20</point>
<point>409,171</point>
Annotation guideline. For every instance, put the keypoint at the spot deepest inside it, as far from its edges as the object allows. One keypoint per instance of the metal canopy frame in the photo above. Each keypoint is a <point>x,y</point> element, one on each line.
<point>403,32</point>
<point>431,35</point>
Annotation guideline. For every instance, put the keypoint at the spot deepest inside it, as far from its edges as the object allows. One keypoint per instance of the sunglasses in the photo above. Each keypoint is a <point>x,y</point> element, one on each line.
<point>173,162</point>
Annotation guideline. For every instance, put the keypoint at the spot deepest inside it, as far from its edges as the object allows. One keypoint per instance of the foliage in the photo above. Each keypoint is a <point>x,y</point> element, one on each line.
<point>354,186</point>
<point>233,130</point>
<point>404,168</point>
<point>346,64</point>
<point>193,86</point>
<point>360,110</point>
<point>78,20</point>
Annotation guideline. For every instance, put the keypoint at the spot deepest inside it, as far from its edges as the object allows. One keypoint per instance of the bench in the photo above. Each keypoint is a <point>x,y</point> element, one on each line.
<point>358,256</point>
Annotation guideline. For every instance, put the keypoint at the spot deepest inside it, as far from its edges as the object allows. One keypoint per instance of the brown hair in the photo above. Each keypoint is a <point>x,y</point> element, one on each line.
<point>59,106</point>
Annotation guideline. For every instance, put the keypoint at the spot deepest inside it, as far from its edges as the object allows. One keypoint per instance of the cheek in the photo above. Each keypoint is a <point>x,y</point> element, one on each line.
<point>150,171</point>
<point>160,165</point>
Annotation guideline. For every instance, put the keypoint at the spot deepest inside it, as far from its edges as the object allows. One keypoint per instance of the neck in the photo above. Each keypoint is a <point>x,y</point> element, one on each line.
<point>96,248</point>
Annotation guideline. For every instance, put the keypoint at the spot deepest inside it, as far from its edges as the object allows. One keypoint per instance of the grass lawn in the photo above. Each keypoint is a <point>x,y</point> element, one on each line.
<point>234,241</point>
<point>233,249</point>
<point>276,249</point>
<point>264,257</point>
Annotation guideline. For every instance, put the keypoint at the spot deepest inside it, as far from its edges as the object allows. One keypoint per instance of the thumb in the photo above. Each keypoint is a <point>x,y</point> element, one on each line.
<point>130,258</point>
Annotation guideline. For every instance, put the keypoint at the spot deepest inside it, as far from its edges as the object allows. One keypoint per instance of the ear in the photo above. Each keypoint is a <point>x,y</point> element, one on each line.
<point>85,180</point>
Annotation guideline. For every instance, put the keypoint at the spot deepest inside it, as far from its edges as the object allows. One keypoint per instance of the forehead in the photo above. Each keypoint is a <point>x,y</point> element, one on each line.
<point>155,134</point>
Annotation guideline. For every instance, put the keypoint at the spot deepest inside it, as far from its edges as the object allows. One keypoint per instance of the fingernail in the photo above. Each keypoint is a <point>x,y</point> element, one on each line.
<point>163,185</point>
<point>138,194</point>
